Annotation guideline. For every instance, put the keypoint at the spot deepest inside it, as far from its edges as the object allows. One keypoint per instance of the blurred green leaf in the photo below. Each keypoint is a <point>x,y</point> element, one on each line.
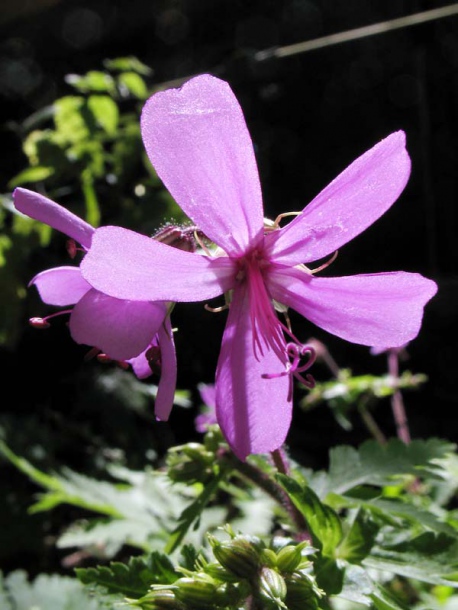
<point>31,174</point>
<point>134,84</point>
<point>127,64</point>
<point>428,558</point>
<point>93,81</point>
<point>45,592</point>
<point>105,111</point>
<point>132,579</point>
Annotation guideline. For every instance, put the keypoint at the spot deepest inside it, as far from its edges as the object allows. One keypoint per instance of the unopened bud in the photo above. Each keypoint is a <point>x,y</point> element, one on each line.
<point>196,592</point>
<point>290,557</point>
<point>303,593</point>
<point>238,555</point>
<point>216,570</point>
<point>272,586</point>
<point>163,599</point>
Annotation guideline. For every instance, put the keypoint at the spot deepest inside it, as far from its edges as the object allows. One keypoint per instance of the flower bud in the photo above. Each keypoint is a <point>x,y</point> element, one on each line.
<point>239,556</point>
<point>161,599</point>
<point>290,557</point>
<point>196,592</point>
<point>272,586</point>
<point>216,570</point>
<point>303,593</point>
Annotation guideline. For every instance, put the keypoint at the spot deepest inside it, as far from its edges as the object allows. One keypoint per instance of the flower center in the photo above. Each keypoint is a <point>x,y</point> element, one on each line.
<point>267,329</point>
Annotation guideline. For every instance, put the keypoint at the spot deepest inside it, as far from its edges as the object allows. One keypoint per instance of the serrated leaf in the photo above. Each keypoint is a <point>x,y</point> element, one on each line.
<point>322,520</point>
<point>133,579</point>
<point>359,539</point>
<point>192,513</point>
<point>45,592</point>
<point>379,465</point>
<point>427,558</point>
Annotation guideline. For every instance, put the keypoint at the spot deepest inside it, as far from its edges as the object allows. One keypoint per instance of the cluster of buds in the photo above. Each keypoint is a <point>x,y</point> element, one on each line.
<point>195,462</point>
<point>245,573</point>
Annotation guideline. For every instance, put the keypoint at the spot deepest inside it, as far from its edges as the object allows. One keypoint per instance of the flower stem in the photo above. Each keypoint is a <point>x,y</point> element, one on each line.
<point>280,461</point>
<point>397,403</point>
<point>267,484</point>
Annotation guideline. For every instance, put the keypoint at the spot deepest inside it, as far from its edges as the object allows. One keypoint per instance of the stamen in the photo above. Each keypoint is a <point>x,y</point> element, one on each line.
<point>216,309</point>
<point>107,360</point>
<point>324,265</point>
<point>42,323</point>
<point>276,223</point>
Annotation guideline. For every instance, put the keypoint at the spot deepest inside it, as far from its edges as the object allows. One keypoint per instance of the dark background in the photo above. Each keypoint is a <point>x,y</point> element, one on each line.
<point>310,114</point>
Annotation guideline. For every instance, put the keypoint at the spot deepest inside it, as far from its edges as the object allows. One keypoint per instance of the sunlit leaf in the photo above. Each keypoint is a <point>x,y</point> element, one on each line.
<point>105,111</point>
<point>31,174</point>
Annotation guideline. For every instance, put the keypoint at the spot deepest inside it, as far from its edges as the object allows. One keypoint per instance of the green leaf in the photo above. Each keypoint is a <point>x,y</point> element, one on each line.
<point>384,600</point>
<point>39,477</point>
<point>192,513</point>
<point>105,111</point>
<point>359,539</point>
<point>93,81</point>
<point>71,119</point>
<point>132,579</point>
<point>428,558</point>
<point>134,84</point>
<point>45,592</point>
<point>357,585</point>
<point>127,64</point>
<point>379,465</point>
<point>322,520</point>
<point>31,174</point>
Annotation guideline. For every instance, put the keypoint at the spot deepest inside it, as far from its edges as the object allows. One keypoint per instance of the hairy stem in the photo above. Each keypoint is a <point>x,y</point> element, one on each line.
<point>272,488</point>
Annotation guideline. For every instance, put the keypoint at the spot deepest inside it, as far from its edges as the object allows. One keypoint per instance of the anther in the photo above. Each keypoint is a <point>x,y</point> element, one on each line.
<point>216,309</point>
<point>42,323</point>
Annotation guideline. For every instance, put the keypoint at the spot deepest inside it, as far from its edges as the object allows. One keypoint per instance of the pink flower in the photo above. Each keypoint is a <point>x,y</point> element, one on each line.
<point>138,332</point>
<point>198,142</point>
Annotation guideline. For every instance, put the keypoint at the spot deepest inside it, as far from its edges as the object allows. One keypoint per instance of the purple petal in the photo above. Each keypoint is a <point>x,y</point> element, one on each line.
<point>121,329</point>
<point>140,364</point>
<point>376,310</point>
<point>168,381</point>
<point>254,413</point>
<point>61,286</point>
<point>127,265</point>
<point>197,140</point>
<point>345,208</point>
<point>43,209</point>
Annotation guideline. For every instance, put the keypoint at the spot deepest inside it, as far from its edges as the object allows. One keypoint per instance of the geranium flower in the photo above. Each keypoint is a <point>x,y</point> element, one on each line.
<point>136,332</point>
<point>197,140</point>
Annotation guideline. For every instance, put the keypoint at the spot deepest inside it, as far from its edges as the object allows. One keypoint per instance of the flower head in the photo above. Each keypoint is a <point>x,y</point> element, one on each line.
<point>135,332</point>
<point>197,140</point>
